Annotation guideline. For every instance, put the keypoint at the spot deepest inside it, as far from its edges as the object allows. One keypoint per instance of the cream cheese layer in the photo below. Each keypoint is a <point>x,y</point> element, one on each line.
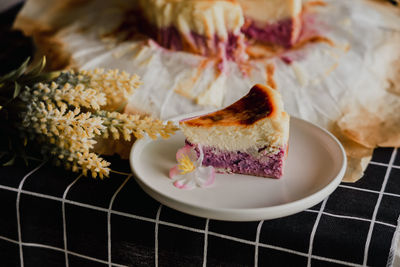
<point>263,12</point>
<point>272,133</point>
<point>206,17</point>
<point>243,125</point>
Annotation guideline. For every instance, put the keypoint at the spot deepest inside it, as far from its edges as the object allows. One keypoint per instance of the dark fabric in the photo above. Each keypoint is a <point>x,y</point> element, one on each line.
<point>66,217</point>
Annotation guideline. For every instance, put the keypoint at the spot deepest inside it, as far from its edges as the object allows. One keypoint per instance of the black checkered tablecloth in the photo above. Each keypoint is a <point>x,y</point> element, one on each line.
<point>51,217</point>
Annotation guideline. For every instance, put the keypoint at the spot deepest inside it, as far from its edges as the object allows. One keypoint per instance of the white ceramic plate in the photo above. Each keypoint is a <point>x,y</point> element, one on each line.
<point>314,168</point>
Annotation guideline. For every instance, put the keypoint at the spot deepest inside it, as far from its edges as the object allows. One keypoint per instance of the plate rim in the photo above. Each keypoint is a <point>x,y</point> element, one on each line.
<point>241,214</point>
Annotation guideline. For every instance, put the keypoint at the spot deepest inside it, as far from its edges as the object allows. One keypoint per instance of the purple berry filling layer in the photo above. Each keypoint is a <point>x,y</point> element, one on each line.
<point>169,37</point>
<point>281,33</point>
<point>270,165</point>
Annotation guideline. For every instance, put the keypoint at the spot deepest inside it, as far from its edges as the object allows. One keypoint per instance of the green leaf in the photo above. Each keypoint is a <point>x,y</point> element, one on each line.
<point>17,90</point>
<point>45,77</point>
<point>13,75</point>
<point>37,69</point>
<point>10,162</point>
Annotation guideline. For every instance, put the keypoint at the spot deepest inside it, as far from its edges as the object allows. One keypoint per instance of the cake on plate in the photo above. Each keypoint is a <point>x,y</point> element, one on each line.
<point>248,137</point>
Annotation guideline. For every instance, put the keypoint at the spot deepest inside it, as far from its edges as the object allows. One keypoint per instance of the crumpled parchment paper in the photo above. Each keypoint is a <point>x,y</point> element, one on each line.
<point>350,87</point>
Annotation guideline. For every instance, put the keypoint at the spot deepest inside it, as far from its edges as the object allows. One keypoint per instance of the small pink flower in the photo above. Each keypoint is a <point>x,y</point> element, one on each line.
<point>189,173</point>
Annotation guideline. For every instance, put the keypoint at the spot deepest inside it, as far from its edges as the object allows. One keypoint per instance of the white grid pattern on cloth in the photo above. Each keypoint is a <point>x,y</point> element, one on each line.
<point>110,211</point>
<point>109,218</point>
<point>259,226</point>
<point>180,227</point>
<point>239,240</point>
<point>379,164</point>
<point>378,202</point>
<point>205,243</point>
<point>394,166</point>
<point>384,164</point>
<point>369,190</point>
<point>64,219</point>
<point>21,255</point>
<point>314,230</point>
<point>36,245</point>
<point>156,235</point>
<point>351,217</point>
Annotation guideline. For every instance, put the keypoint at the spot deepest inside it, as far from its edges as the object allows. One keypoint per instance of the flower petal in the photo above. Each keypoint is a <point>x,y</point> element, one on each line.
<point>174,171</point>
<point>183,151</point>
<point>187,150</point>
<point>205,176</point>
<point>200,158</point>
<point>193,155</point>
<point>198,176</point>
<point>184,183</point>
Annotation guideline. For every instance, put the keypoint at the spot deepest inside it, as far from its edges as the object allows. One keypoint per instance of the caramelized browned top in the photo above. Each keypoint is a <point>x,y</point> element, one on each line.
<point>256,105</point>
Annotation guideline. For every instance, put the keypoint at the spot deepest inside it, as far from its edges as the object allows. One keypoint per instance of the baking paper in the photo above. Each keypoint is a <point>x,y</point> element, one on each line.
<point>349,85</point>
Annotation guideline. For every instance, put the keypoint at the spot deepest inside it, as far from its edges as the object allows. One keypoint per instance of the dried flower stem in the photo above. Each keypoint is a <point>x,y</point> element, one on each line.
<point>127,125</point>
<point>67,113</point>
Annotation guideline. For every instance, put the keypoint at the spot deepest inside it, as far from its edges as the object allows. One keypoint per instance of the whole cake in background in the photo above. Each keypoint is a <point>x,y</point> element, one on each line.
<point>248,137</point>
<point>209,28</point>
<point>221,28</point>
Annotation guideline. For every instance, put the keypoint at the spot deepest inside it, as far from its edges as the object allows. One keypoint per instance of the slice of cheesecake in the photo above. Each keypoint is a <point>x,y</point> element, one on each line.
<point>272,21</point>
<point>248,137</point>
<point>206,27</point>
